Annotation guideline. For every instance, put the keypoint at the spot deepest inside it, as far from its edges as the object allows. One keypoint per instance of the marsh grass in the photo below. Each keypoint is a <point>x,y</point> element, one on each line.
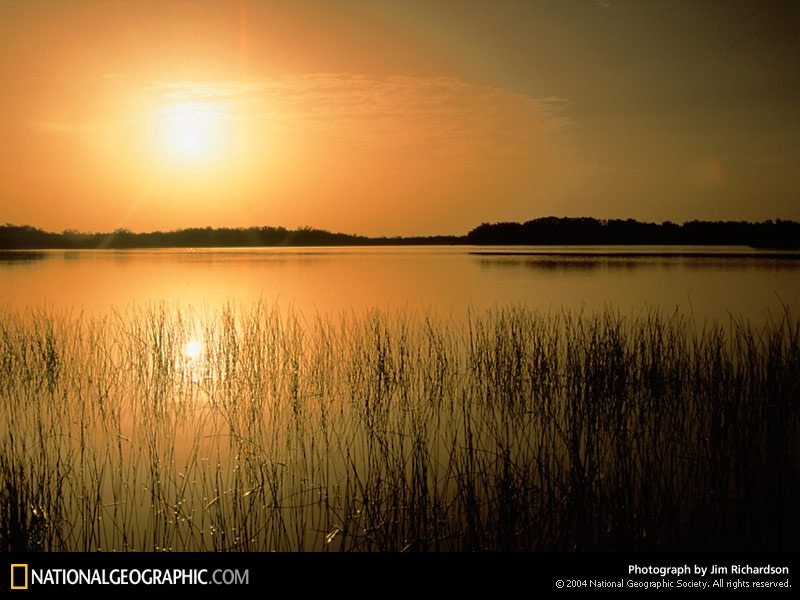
<point>505,430</point>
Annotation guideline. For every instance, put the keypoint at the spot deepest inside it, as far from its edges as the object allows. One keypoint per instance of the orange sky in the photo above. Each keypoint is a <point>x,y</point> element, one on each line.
<point>395,118</point>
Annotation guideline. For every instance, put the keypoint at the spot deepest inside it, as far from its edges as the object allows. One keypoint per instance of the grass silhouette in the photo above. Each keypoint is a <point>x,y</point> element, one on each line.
<point>391,431</point>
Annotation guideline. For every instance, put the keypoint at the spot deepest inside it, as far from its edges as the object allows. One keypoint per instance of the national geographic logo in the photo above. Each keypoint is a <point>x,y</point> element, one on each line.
<point>22,576</point>
<point>19,577</point>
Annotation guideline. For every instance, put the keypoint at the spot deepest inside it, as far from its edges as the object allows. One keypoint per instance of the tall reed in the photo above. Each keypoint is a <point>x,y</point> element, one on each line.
<point>254,429</point>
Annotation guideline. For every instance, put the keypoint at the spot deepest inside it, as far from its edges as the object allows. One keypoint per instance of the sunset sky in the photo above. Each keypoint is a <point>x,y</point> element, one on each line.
<point>384,117</point>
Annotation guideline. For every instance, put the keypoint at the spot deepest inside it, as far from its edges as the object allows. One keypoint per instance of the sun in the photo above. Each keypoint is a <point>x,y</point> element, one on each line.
<point>189,141</point>
<point>192,133</point>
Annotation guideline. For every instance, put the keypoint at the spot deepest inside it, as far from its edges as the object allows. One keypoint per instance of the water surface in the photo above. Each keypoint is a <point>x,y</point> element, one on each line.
<point>708,282</point>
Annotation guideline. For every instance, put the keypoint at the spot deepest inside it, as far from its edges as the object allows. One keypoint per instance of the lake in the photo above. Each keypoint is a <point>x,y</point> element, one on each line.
<point>708,282</point>
<point>172,400</point>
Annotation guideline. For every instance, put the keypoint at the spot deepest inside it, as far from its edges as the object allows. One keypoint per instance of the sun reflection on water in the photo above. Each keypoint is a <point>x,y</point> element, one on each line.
<point>192,350</point>
<point>195,367</point>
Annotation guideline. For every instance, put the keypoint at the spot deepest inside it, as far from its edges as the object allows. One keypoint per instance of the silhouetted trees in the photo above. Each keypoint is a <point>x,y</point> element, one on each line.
<point>544,231</point>
<point>553,230</point>
<point>27,237</point>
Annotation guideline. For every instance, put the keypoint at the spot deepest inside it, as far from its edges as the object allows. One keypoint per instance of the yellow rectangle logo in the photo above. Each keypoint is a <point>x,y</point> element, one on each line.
<point>16,585</point>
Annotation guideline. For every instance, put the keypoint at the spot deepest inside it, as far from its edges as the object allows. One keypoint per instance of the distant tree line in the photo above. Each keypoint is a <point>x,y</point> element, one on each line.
<point>553,230</point>
<point>27,237</point>
<point>544,231</point>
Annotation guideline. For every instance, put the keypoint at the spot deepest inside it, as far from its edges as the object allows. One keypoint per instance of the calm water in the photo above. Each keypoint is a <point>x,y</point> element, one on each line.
<point>710,282</point>
<point>170,448</point>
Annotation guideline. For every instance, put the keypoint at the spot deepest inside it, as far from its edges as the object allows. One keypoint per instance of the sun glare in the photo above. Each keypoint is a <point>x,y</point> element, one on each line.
<point>192,132</point>
<point>189,141</point>
<point>192,349</point>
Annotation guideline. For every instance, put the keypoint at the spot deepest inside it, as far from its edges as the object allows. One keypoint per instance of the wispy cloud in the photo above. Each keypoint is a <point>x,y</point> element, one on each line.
<point>393,111</point>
